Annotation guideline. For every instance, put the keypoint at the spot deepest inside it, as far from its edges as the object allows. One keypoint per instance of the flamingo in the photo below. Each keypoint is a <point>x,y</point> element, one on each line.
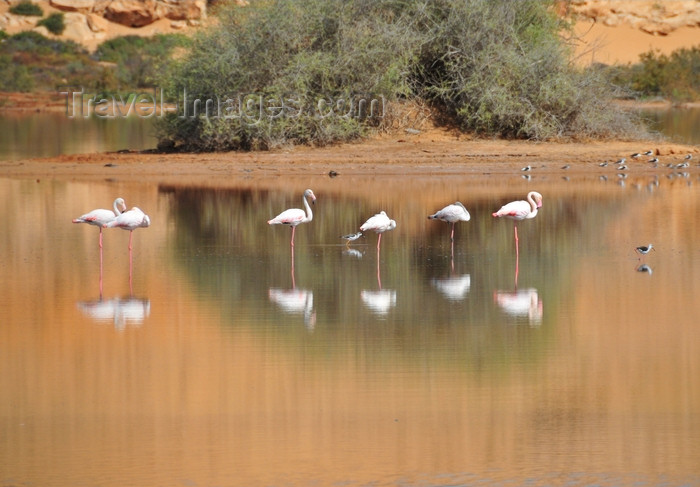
<point>521,210</point>
<point>130,220</point>
<point>452,214</point>
<point>101,216</point>
<point>379,223</point>
<point>296,216</point>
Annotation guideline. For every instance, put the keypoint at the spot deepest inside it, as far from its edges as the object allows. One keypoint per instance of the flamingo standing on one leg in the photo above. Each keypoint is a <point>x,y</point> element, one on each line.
<point>452,214</point>
<point>521,210</point>
<point>98,218</point>
<point>130,220</point>
<point>296,216</point>
<point>379,223</point>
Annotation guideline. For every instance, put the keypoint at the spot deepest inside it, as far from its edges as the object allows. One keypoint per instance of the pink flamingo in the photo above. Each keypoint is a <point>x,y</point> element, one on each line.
<point>379,223</point>
<point>130,220</point>
<point>521,210</point>
<point>295,216</point>
<point>452,214</point>
<point>100,217</point>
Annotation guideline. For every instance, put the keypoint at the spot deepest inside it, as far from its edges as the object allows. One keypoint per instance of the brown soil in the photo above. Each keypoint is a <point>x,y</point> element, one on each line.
<point>432,153</point>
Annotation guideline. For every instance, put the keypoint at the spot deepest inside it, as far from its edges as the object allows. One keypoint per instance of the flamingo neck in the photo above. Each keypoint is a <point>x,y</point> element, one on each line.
<point>117,211</point>
<point>309,213</point>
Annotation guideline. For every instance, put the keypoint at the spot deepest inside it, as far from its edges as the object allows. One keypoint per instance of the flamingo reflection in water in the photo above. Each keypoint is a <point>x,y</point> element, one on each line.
<point>523,303</point>
<point>454,288</point>
<point>121,312</point>
<point>380,301</point>
<point>295,301</point>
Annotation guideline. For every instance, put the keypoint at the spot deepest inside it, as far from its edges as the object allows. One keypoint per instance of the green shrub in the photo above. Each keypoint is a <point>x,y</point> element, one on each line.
<point>139,60</point>
<point>3,35</point>
<point>25,7</point>
<point>675,77</point>
<point>38,62</point>
<point>54,23</point>
<point>496,67</point>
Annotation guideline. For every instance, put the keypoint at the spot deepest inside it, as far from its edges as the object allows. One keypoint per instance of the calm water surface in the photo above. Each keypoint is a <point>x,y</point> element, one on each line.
<point>51,134</point>
<point>224,358</point>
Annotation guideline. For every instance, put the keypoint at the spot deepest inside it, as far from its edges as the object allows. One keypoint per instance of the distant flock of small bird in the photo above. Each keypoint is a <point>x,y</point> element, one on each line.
<point>621,164</point>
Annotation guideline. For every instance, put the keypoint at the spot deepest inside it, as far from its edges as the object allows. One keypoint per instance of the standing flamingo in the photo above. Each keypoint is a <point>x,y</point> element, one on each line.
<point>452,214</point>
<point>379,223</point>
<point>295,216</point>
<point>521,210</point>
<point>100,217</point>
<point>130,220</point>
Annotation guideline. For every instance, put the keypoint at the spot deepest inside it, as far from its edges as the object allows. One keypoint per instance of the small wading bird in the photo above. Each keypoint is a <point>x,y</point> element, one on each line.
<point>520,210</point>
<point>452,214</point>
<point>644,249</point>
<point>351,237</point>
<point>296,216</point>
<point>379,223</point>
<point>100,217</point>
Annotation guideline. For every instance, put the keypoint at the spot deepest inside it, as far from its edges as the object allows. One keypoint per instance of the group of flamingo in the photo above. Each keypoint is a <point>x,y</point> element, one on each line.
<point>380,223</point>
<point>118,217</point>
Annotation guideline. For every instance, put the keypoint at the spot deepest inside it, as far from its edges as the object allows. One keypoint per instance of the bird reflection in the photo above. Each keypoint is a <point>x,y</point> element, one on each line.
<point>524,303</point>
<point>381,300</point>
<point>121,312</point>
<point>353,253</point>
<point>454,288</point>
<point>295,301</point>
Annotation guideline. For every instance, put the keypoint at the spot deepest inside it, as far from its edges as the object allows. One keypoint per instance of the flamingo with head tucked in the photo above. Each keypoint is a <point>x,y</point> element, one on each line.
<point>379,223</point>
<point>452,214</point>
<point>520,210</point>
<point>130,220</point>
<point>296,216</point>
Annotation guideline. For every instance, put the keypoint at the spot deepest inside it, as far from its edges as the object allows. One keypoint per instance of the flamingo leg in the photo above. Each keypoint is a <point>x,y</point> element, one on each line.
<point>379,242</point>
<point>131,269</point>
<point>452,235</point>
<point>516,241</point>
<point>293,229</point>
<point>294,284</point>
<point>131,234</point>
<point>379,274</point>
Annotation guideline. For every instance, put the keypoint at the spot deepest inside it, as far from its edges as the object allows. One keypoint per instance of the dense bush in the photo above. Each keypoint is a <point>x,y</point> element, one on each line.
<point>139,60</point>
<point>675,77</point>
<point>25,7</point>
<point>54,23</point>
<point>32,61</point>
<point>493,66</point>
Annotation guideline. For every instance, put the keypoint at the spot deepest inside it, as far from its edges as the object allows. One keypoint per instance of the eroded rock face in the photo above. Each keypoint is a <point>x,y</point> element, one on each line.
<point>83,6</point>
<point>136,13</point>
<point>653,17</point>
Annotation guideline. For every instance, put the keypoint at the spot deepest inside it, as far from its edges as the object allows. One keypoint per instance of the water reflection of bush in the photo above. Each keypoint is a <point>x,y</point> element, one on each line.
<point>231,254</point>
